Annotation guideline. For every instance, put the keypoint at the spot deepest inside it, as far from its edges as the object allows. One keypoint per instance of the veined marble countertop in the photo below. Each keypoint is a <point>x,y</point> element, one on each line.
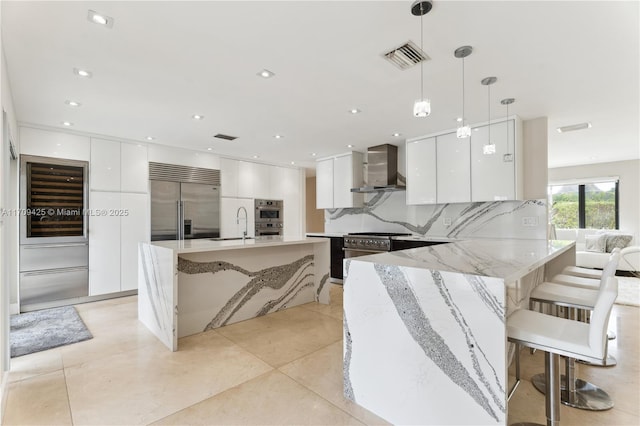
<point>204,244</point>
<point>508,259</point>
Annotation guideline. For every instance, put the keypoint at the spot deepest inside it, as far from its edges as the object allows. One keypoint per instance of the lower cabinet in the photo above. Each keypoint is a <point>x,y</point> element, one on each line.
<point>337,256</point>
<point>118,221</point>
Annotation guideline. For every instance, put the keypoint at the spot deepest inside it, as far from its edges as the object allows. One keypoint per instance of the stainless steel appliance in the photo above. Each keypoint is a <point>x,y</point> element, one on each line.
<point>269,217</point>
<point>185,202</point>
<point>54,249</point>
<point>364,243</point>
<point>382,170</point>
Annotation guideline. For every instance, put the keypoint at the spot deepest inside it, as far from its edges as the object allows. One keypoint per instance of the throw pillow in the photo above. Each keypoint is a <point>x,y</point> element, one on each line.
<point>617,240</point>
<point>596,243</point>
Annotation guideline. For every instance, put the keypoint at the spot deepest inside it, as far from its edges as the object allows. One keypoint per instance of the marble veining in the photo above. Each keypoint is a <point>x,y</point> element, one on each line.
<point>323,281</point>
<point>275,277</point>
<point>434,346</point>
<point>346,364</point>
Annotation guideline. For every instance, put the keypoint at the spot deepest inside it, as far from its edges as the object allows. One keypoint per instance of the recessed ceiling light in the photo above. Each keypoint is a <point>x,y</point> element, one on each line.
<point>67,123</point>
<point>209,149</point>
<point>396,135</point>
<point>278,136</point>
<point>72,103</point>
<point>355,111</point>
<point>459,119</point>
<point>573,127</point>
<point>266,74</point>
<point>82,73</point>
<point>293,162</point>
<point>256,156</point>
<point>197,117</point>
<point>100,19</point>
<point>150,138</point>
<point>350,146</point>
<point>313,154</point>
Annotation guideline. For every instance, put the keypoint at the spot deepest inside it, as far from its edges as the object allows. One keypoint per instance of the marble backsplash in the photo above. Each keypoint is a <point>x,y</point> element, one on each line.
<point>388,212</point>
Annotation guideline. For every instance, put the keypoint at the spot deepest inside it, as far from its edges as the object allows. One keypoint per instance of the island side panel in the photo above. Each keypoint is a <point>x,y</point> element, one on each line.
<point>322,268</point>
<point>157,293</point>
<point>223,287</point>
<point>419,343</point>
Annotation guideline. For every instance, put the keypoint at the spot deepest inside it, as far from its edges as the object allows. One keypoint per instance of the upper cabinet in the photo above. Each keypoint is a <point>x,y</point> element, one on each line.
<point>47,143</point>
<point>453,176</point>
<point>444,169</point>
<point>228,177</point>
<point>118,166</point>
<point>421,167</point>
<point>335,177</point>
<point>493,175</point>
<point>253,180</point>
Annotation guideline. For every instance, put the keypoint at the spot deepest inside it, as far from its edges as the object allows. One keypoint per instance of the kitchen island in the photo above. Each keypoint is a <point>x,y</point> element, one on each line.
<point>189,286</point>
<point>425,329</point>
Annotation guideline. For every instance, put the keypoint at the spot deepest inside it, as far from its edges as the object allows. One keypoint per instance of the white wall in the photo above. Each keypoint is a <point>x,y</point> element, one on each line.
<point>8,224</point>
<point>629,173</point>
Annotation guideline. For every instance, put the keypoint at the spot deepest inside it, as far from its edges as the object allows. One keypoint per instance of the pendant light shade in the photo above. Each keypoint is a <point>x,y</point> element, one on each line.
<point>489,147</point>
<point>464,131</point>
<point>508,157</point>
<point>421,107</point>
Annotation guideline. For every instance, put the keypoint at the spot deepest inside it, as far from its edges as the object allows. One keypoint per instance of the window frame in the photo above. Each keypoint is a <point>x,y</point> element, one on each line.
<point>582,210</point>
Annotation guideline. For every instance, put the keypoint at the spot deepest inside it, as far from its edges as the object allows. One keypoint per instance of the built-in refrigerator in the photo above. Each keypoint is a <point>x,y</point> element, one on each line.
<point>185,202</point>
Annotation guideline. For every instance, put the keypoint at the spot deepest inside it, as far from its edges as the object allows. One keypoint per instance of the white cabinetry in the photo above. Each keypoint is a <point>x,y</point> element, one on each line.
<point>46,143</point>
<point>229,177</point>
<point>104,244</point>
<point>104,174</point>
<point>291,183</point>
<point>134,168</point>
<point>253,180</point>
<point>493,176</point>
<point>334,179</point>
<point>421,171</point>
<point>114,235</point>
<point>453,176</point>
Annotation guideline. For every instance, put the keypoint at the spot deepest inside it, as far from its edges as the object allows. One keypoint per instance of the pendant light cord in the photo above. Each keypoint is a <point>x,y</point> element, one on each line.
<point>421,48</point>
<point>507,123</point>
<point>463,118</point>
<point>489,104</point>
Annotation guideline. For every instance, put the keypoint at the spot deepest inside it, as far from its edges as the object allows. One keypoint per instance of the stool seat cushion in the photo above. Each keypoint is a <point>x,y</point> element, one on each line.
<point>589,283</point>
<point>552,334</point>
<point>565,295</point>
<point>577,271</point>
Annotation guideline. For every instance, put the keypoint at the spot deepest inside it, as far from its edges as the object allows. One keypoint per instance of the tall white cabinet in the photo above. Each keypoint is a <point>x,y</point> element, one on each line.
<point>461,170</point>
<point>119,214</point>
<point>335,176</point>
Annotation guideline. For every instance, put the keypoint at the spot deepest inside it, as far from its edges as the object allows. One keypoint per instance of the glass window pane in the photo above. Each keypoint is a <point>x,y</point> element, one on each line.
<point>564,206</point>
<point>600,205</point>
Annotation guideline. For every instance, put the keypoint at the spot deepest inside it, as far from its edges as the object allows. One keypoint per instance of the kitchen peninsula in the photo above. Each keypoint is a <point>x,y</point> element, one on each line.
<point>190,286</point>
<point>425,329</point>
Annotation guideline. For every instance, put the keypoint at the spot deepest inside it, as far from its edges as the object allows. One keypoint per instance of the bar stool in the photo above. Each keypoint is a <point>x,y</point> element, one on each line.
<point>562,337</point>
<point>587,278</point>
<point>580,393</point>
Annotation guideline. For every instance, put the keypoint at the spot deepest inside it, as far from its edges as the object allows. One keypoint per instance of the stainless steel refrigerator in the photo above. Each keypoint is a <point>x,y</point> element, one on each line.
<point>180,208</point>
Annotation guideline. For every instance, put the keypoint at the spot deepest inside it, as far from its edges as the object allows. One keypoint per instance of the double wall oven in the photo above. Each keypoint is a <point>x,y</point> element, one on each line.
<point>269,217</point>
<point>54,248</point>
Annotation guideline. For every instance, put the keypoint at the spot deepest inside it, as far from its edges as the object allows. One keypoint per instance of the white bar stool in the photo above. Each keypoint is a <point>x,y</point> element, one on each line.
<point>562,337</point>
<point>580,393</point>
<point>580,272</point>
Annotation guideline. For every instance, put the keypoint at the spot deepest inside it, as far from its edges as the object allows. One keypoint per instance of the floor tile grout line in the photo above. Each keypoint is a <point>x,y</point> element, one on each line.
<point>66,388</point>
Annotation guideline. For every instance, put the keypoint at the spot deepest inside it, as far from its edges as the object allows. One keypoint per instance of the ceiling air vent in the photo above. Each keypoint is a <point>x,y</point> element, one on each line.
<point>406,56</point>
<point>225,137</point>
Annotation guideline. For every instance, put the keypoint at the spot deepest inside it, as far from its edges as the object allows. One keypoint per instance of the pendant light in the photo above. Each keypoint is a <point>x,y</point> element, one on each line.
<point>508,157</point>
<point>464,131</point>
<point>489,147</point>
<point>421,107</point>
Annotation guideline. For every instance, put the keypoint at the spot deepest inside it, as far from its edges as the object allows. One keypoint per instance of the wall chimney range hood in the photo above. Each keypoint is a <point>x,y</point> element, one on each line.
<point>382,170</point>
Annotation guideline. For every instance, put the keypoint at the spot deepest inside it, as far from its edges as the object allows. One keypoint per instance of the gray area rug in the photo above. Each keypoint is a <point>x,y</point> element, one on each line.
<point>49,328</point>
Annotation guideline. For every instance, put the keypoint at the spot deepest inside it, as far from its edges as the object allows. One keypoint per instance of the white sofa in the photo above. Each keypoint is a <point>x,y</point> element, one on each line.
<point>589,259</point>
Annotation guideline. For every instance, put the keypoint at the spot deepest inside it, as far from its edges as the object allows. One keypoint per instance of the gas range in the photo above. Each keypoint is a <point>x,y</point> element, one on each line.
<point>369,242</point>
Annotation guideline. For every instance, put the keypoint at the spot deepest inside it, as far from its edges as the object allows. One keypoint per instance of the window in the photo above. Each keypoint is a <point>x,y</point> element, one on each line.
<point>585,204</point>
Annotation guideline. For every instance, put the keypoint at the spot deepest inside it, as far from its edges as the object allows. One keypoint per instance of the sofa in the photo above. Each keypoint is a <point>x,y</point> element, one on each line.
<point>593,247</point>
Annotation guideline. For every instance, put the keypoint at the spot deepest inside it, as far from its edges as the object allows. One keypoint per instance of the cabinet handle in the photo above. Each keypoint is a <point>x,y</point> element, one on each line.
<point>38,246</point>
<point>55,271</point>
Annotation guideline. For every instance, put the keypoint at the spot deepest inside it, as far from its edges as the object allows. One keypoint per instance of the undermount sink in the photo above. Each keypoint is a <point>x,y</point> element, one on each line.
<point>230,239</point>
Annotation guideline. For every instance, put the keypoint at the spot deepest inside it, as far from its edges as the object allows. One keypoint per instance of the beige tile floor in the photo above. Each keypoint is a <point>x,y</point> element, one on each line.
<point>283,368</point>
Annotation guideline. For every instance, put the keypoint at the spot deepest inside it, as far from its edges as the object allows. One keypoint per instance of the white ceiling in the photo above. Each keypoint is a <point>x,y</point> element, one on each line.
<point>162,62</point>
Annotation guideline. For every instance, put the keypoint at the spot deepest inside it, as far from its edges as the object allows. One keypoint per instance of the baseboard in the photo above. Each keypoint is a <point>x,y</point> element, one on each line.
<point>3,394</point>
<point>14,309</point>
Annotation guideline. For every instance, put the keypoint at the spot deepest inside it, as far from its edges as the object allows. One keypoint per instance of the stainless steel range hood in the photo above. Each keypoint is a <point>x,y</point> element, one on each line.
<point>382,170</point>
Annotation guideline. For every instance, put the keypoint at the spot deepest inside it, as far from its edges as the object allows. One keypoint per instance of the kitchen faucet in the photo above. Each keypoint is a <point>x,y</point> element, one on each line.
<point>246,220</point>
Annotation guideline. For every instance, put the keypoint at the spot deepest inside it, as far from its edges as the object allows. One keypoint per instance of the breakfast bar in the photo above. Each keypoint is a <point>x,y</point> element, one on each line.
<point>190,286</point>
<point>425,328</point>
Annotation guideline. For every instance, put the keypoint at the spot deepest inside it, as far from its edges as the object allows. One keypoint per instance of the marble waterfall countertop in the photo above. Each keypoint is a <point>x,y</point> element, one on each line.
<point>499,258</point>
<point>425,328</point>
<point>202,245</point>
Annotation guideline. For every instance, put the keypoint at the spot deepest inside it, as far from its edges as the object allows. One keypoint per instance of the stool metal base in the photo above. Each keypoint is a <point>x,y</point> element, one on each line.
<point>610,362</point>
<point>586,397</point>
